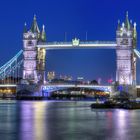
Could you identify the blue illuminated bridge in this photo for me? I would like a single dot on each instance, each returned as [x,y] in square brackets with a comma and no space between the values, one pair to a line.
[26,70]
[13,68]
[49,88]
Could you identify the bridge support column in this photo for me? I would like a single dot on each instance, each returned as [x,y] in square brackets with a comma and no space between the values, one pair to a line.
[126,60]
[29,56]
[34,57]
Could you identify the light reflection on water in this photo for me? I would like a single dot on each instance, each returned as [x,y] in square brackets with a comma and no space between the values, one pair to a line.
[45,120]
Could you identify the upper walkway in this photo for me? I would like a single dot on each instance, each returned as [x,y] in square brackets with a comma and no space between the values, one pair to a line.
[77,44]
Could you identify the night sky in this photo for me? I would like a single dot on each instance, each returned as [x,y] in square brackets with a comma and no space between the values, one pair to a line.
[76,17]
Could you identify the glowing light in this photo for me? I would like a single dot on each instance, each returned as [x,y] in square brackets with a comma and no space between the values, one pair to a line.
[8,85]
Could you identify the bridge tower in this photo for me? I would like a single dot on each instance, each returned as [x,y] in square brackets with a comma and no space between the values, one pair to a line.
[126,38]
[34,60]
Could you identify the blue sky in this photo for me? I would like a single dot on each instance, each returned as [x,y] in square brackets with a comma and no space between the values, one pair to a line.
[97,17]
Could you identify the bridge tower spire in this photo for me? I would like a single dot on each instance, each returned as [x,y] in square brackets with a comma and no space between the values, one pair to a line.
[126,60]
[25,28]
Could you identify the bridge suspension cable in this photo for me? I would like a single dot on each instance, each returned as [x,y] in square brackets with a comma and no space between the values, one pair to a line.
[9,72]
[137,53]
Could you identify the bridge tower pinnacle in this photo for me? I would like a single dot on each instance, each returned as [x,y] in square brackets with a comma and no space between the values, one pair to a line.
[126,38]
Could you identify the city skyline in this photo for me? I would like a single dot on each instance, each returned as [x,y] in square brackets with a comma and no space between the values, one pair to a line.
[99,25]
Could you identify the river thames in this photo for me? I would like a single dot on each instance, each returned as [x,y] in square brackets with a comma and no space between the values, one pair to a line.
[61,120]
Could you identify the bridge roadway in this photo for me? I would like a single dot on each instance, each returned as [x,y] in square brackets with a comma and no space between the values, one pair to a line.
[62,85]
[80,45]
[7,85]
[66,85]
[55,87]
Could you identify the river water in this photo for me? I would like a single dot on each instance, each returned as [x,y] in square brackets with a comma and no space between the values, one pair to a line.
[53,120]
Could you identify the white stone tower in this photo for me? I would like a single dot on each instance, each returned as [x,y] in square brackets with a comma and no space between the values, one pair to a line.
[126,38]
[31,71]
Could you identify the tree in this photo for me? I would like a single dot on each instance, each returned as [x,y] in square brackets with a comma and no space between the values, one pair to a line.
[94,82]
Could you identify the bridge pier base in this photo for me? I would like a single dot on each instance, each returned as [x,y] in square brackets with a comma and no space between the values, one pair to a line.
[32,90]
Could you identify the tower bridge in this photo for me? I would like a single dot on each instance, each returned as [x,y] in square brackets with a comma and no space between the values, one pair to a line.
[35,45]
